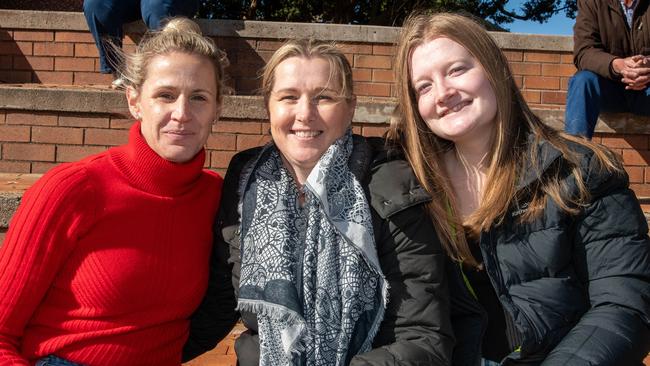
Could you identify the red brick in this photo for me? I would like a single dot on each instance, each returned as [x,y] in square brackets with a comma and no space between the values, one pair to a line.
[647,174]
[30,35]
[6,62]
[74,153]
[541,82]
[53,49]
[248,141]
[221,159]
[564,83]
[532,96]
[53,77]
[542,57]
[372,89]
[247,128]
[268,45]
[265,55]
[42,168]
[10,76]
[384,50]
[85,50]
[635,173]
[356,48]
[636,142]
[567,58]
[77,120]
[369,131]
[14,133]
[96,136]
[222,142]
[361,74]
[14,167]
[74,64]
[2,116]
[57,135]
[81,37]
[525,68]
[29,152]
[386,76]
[558,70]
[118,123]
[38,118]
[554,97]
[373,62]
[514,56]
[636,157]
[16,48]
[33,63]
[92,78]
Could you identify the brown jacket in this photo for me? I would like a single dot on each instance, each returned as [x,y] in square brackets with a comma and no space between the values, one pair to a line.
[601,34]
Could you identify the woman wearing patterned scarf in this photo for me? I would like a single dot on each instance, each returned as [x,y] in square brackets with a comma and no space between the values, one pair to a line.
[334,258]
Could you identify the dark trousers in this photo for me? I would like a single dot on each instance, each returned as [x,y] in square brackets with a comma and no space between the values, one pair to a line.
[106,17]
[589,94]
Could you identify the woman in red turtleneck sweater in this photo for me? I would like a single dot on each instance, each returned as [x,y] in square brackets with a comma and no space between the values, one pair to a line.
[106,258]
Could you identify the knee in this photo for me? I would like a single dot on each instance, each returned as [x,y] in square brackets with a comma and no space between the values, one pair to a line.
[583,78]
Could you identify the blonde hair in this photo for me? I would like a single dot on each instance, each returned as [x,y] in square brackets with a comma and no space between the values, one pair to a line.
[178,35]
[511,149]
[340,69]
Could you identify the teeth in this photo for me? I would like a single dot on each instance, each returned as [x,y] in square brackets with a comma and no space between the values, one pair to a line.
[307,133]
[458,107]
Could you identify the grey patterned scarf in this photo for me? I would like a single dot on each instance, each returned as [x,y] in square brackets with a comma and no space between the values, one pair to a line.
[310,273]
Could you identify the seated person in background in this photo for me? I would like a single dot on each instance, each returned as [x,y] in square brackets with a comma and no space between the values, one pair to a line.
[335,259]
[106,258]
[106,17]
[611,48]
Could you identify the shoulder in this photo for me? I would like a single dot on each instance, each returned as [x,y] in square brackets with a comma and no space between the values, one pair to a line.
[392,185]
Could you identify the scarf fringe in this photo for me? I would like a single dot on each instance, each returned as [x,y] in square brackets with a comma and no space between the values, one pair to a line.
[283,314]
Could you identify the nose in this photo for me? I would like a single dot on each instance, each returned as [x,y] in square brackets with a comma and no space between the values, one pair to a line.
[444,91]
[181,112]
[305,109]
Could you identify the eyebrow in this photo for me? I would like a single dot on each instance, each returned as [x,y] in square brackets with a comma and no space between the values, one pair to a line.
[159,87]
[318,90]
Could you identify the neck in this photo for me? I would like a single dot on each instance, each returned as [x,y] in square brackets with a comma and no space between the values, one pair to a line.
[473,155]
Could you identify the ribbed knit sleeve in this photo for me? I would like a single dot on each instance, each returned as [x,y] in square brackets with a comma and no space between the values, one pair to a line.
[53,214]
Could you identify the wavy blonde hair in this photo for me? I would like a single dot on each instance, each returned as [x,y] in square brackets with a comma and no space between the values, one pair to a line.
[510,151]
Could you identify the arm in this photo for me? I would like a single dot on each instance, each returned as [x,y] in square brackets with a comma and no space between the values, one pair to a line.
[612,256]
[589,52]
[416,329]
[42,233]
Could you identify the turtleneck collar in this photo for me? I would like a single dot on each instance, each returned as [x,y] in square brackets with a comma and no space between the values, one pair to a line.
[149,172]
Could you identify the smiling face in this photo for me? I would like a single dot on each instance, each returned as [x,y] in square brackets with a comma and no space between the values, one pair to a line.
[306,111]
[454,95]
[176,104]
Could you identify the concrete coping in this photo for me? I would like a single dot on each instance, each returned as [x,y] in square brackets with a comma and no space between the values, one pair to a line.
[70,21]
[37,97]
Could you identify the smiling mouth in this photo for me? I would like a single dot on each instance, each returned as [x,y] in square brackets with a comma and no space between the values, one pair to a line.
[307,134]
[455,108]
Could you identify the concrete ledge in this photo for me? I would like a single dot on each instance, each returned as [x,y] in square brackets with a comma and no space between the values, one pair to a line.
[35,97]
[67,21]
[12,187]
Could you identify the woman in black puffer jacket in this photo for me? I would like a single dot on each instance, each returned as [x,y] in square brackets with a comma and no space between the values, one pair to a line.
[551,258]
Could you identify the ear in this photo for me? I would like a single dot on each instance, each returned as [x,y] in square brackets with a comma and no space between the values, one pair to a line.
[133,99]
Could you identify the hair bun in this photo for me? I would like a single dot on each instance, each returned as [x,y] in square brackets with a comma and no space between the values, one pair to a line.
[181,25]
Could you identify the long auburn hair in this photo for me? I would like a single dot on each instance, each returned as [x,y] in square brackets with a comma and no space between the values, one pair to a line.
[511,151]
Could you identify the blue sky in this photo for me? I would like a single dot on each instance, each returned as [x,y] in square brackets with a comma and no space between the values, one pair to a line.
[557,25]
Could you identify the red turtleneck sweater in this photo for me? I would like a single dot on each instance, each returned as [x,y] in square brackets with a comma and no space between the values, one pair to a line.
[106,259]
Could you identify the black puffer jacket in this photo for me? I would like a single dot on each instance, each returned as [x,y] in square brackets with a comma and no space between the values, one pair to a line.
[577,287]
[416,329]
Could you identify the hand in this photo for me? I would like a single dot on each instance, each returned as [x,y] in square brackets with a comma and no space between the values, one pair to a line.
[635,71]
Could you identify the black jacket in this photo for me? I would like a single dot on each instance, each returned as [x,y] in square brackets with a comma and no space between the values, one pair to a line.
[416,329]
[577,287]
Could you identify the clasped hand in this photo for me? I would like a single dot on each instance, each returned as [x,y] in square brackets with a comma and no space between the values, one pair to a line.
[635,71]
